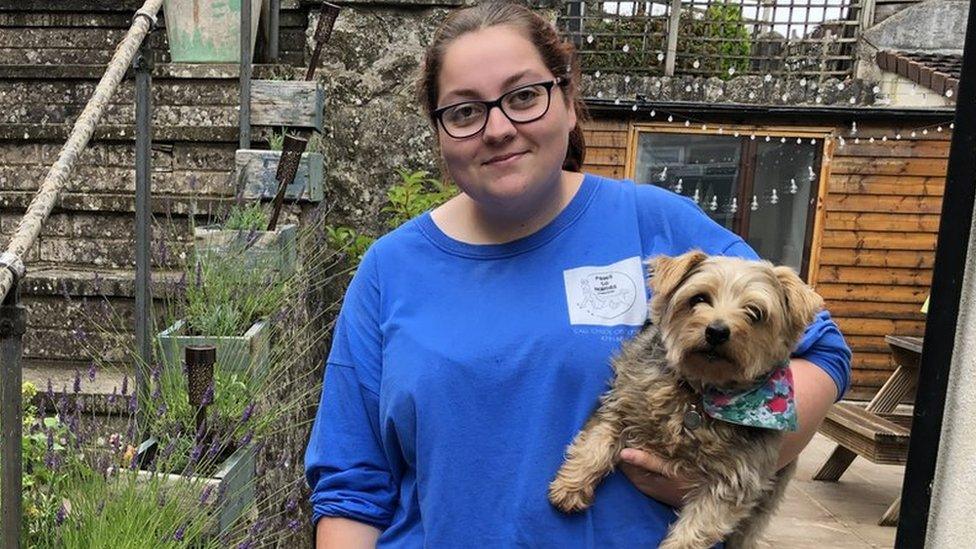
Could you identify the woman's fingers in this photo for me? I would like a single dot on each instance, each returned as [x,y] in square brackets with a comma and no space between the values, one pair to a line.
[644,460]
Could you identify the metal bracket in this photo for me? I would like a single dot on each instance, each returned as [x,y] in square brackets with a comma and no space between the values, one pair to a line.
[153,23]
[13,263]
[13,321]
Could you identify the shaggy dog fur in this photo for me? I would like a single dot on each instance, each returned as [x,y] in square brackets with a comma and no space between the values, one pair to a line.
[660,375]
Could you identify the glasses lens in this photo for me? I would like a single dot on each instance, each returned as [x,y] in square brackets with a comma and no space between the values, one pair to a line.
[464,119]
[526,104]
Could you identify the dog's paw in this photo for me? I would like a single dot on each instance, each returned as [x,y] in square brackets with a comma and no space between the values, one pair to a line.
[569,498]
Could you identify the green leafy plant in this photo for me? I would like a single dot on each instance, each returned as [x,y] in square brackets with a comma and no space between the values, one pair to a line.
[349,241]
[246,217]
[276,140]
[223,298]
[415,193]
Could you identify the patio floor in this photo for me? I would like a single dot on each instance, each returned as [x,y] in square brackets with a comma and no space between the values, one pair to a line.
[836,515]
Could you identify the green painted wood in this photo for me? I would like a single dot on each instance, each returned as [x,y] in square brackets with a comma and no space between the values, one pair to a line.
[279,247]
[234,483]
[289,103]
[247,353]
[255,171]
[202,31]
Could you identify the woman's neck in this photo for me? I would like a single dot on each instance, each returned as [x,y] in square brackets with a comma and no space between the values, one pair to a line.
[466,220]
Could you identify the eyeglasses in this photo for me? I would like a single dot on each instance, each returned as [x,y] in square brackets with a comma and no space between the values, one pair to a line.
[521,105]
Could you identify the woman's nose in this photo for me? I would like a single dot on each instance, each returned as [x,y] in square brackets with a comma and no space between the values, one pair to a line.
[499,127]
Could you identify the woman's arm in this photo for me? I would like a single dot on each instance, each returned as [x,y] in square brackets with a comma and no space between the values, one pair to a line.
[340,533]
[815,392]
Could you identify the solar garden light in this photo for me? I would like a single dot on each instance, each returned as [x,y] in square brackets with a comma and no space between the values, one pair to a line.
[200,361]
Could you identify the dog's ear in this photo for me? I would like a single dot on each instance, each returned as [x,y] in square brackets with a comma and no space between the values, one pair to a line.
[802,303]
[666,274]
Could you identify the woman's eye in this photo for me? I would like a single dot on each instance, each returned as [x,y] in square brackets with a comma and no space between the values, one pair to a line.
[463,114]
[524,98]
[699,298]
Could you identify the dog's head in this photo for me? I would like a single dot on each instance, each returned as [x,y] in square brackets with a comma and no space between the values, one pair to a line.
[727,321]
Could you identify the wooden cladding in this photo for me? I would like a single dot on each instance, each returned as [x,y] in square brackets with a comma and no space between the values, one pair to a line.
[875,245]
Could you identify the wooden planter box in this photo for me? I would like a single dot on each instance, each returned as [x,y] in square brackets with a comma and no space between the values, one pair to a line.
[255,171]
[247,353]
[232,487]
[278,247]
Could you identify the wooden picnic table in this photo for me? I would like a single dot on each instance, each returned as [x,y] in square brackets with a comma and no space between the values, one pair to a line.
[874,432]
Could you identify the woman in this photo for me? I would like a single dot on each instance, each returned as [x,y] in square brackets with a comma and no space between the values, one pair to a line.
[474,341]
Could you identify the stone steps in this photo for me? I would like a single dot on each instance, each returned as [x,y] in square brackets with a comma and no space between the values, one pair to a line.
[80,284]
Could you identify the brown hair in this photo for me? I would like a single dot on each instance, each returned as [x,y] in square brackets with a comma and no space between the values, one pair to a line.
[559,57]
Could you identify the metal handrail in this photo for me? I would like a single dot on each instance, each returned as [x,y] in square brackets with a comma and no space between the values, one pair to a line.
[12,313]
[57,177]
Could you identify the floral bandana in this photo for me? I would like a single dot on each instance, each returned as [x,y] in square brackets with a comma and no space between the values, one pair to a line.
[768,405]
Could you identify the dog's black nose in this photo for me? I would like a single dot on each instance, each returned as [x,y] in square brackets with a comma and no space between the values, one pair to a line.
[717,333]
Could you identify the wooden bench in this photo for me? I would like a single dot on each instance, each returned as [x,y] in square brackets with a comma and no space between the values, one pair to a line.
[869,435]
[875,432]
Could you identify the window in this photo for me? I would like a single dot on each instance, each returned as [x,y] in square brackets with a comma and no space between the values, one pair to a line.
[763,190]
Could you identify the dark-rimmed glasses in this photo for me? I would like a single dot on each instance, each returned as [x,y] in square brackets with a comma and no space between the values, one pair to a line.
[523,104]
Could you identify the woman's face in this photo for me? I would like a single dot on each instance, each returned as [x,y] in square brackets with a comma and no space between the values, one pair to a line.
[507,163]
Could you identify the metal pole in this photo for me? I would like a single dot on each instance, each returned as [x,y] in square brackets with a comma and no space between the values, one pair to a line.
[673,23]
[13,324]
[143,65]
[942,321]
[273,22]
[245,74]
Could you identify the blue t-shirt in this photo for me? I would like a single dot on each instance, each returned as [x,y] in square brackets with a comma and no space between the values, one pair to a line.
[459,373]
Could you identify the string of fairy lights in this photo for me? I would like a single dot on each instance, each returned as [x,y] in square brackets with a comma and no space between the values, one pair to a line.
[772,194]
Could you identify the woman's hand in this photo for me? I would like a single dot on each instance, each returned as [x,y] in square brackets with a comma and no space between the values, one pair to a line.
[647,472]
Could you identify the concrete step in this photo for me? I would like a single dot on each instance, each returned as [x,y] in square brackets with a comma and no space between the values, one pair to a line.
[54,32]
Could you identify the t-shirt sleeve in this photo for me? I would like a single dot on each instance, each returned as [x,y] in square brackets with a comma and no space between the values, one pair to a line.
[345,465]
[682,226]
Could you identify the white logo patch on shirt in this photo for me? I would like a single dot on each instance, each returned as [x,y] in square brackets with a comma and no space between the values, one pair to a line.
[607,295]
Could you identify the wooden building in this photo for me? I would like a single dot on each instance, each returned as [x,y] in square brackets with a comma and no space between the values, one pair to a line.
[809,187]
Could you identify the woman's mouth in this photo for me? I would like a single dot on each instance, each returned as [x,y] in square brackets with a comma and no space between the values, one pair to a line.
[504,159]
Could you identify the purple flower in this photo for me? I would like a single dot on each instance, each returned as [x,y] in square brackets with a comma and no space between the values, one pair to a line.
[248,411]
[294,525]
[77,386]
[91,372]
[198,275]
[214,449]
[290,505]
[195,453]
[205,495]
[79,334]
[50,391]
[246,544]
[161,409]
[178,534]
[168,450]
[125,384]
[64,290]
[113,396]
[208,395]
[61,515]
[133,404]
[97,284]
[246,439]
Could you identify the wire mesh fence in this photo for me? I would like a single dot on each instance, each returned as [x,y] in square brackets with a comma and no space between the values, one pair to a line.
[802,38]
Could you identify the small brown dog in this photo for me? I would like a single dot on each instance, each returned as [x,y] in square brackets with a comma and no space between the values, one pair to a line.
[719,343]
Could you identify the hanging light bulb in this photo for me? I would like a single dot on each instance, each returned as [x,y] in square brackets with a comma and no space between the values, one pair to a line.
[793,187]
[653,113]
[696,197]
[735,205]
[774,199]
[670,118]
[687,123]
[755,203]
[664,174]
[853,128]
[767,139]
[811,174]
[714,205]
[596,74]
[679,187]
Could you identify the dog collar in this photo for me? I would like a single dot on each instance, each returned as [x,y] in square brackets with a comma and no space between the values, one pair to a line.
[768,405]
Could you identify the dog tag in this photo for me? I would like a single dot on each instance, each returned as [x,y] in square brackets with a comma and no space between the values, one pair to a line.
[692,420]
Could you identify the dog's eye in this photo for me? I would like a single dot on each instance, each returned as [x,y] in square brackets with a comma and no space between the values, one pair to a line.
[755,314]
[698,298]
